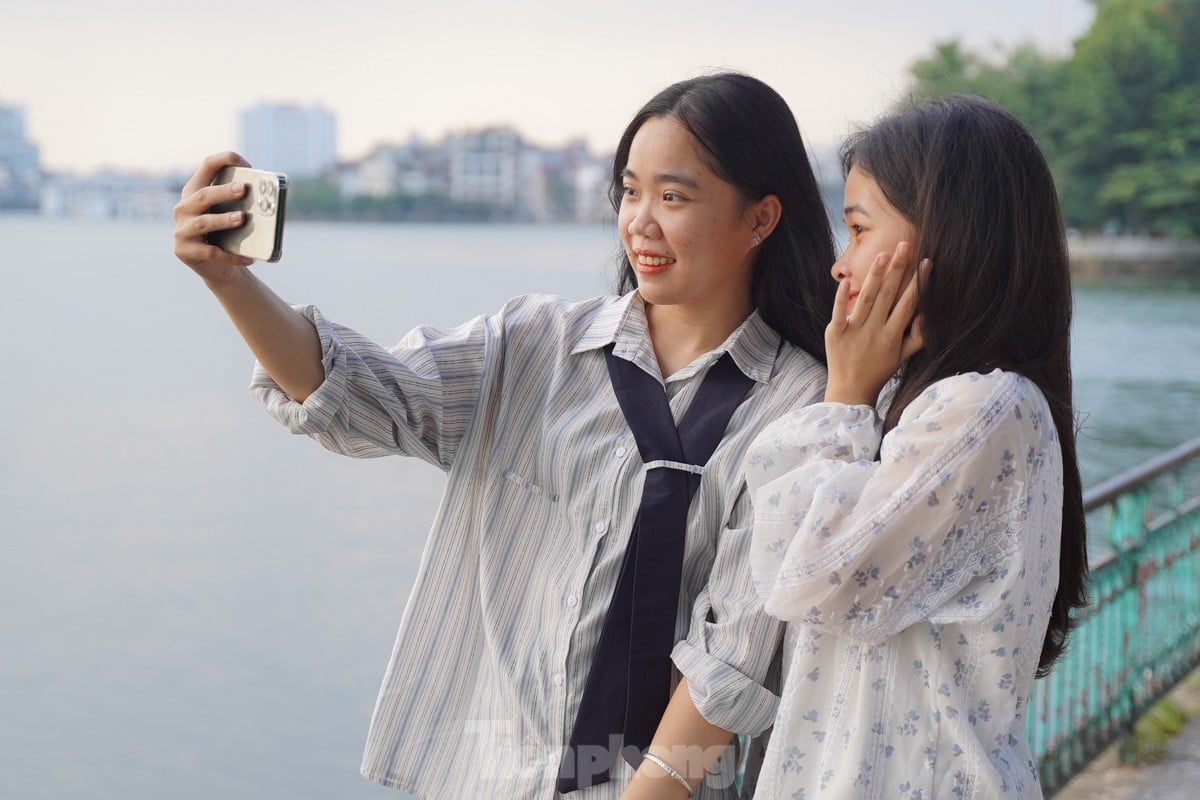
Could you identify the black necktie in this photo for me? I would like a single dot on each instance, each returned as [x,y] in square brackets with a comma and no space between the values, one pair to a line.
[629,683]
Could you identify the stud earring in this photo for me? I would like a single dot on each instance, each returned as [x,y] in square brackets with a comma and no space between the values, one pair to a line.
[755,239]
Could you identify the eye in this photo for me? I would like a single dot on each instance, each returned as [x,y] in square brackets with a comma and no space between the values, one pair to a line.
[672,197]
[628,191]
[855,230]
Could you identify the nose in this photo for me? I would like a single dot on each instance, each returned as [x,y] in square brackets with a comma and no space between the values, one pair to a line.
[840,269]
[643,224]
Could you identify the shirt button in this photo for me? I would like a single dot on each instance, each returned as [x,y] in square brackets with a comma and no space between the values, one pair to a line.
[558,680]
[602,526]
[572,601]
[620,452]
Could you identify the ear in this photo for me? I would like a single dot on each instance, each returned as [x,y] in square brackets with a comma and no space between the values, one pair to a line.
[763,215]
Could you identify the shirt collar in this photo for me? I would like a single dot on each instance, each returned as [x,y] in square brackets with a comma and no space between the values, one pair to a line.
[753,346]
[622,323]
[609,322]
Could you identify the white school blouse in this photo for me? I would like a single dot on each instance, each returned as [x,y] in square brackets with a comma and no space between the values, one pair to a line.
[543,483]
[916,576]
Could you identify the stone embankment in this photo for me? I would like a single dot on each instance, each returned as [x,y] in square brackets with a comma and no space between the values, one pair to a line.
[1103,255]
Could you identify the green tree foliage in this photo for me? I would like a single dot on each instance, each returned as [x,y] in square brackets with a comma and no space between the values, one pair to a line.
[1118,120]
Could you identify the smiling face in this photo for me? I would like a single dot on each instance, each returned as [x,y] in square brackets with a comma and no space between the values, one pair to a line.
[874,226]
[687,232]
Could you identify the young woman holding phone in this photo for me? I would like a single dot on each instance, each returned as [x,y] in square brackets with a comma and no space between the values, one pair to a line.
[588,563]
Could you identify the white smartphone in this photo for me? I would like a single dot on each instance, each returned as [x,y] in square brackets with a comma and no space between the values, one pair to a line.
[261,235]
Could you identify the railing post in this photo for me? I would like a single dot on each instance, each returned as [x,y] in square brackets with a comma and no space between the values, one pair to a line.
[1128,520]
[1126,530]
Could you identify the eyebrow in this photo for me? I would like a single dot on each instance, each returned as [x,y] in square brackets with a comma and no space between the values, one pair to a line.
[665,177]
[854,208]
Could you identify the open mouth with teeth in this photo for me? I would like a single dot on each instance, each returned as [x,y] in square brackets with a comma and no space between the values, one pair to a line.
[655,261]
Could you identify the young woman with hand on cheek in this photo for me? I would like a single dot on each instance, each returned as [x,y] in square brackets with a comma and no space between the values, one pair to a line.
[588,562]
[926,556]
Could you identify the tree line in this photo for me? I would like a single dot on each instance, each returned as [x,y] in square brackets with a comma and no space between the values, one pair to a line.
[1118,119]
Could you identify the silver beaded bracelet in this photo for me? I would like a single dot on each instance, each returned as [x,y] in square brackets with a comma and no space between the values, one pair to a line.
[674,773]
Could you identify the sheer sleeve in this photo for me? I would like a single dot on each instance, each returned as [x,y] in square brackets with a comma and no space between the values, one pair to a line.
[868,544]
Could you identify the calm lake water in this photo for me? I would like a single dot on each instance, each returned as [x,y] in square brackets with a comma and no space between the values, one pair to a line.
[195,604]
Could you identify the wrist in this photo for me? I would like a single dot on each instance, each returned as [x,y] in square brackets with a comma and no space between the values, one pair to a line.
[661,779]
[851,396]
[225,281]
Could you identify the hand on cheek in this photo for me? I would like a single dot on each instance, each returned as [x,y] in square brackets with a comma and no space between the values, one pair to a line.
[867,344]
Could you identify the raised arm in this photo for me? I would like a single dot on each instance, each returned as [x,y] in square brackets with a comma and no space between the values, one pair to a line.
[282,339]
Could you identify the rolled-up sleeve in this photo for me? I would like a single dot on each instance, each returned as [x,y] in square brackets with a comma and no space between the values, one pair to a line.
[732,642]
[414,399]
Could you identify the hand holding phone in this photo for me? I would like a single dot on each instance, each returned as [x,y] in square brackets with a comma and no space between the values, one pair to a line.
[261,235]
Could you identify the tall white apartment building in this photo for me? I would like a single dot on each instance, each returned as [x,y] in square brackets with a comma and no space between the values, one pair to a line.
[20,171]
[285,137]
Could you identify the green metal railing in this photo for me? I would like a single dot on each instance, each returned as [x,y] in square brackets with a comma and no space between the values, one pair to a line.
[1141,633]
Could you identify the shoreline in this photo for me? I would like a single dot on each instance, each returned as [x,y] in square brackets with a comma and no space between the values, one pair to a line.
[1100,255]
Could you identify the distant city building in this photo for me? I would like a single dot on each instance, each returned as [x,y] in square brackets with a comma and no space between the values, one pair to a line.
[20,171]
[110,195]
[576,183]
[590,191]
[414,169]
[484,167]
[298,141]
[533,201]
[483,175]
[490,174]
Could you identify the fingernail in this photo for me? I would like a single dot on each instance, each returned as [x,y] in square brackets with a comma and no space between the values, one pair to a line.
[235,216]
[239,189]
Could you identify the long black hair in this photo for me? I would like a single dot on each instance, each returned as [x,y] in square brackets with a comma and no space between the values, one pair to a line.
[749,138]
[975,186]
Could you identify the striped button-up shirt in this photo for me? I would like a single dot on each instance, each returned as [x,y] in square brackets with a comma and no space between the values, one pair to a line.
[543,485]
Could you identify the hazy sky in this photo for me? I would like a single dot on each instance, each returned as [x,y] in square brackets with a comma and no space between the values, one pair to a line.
[137,84]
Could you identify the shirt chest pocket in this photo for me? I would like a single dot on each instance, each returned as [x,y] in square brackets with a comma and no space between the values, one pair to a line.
[524,516]
[534,510]
[531,488]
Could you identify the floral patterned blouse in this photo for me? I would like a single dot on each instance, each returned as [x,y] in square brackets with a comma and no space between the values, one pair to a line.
[917,576]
